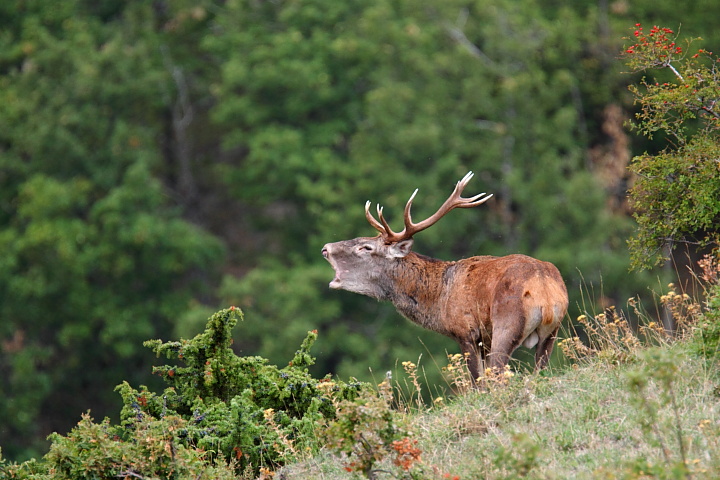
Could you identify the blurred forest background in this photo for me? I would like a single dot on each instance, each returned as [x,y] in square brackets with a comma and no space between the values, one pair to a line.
[161,160]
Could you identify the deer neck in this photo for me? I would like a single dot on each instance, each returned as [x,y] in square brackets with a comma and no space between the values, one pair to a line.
[416,288]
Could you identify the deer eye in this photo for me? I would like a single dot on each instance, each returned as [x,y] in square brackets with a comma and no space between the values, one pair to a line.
[365,248]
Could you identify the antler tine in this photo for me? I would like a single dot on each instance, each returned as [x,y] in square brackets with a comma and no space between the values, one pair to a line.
[408,205]
[461,202]
[461,186]
[375,224]
[478,199]
[465,180]
[386,227]
[382,226]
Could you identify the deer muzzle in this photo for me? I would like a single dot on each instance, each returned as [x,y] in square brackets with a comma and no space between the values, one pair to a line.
[335,283]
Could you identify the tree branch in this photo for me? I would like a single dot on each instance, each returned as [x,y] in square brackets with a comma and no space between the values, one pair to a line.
[457,34]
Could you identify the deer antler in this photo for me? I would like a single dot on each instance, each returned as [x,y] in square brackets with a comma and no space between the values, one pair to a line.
[455,200]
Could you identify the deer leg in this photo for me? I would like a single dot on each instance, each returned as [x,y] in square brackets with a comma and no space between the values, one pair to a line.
[470,351]
[484,353]
[543,350]
[505,340]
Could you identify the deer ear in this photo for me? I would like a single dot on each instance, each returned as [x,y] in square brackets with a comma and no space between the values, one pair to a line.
[400,249]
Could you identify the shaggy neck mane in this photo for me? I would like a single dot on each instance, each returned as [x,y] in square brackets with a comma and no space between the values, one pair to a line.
[414,289]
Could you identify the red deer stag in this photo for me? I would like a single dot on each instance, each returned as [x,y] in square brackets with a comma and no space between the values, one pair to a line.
[489,305]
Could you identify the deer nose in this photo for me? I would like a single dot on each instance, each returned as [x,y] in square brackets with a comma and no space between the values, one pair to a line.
[325,252]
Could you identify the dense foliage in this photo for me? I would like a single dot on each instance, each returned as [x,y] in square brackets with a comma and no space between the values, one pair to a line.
[221,414]
[159,159]
[677,193]
[95,258]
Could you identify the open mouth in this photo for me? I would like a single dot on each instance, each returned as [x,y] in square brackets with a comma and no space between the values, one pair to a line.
[335,283]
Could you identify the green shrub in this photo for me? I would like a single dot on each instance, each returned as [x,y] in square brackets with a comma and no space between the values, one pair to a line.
[367,430]
[238,408]
[221,415]
[156,449]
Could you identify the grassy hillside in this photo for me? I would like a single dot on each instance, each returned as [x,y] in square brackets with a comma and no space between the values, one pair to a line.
[633,402]
[595,420]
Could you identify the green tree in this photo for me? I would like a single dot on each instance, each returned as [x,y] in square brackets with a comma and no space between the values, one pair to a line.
[677,193]
[96,256]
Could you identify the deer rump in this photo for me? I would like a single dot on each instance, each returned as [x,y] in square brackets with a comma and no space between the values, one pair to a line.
[496,304]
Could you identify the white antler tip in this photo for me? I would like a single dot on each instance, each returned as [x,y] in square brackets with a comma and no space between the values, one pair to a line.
[479,199]
[461,184]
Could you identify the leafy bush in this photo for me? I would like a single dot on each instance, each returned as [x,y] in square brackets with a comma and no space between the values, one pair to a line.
[222,414]
[367,430]
[677,191]
[155,448]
